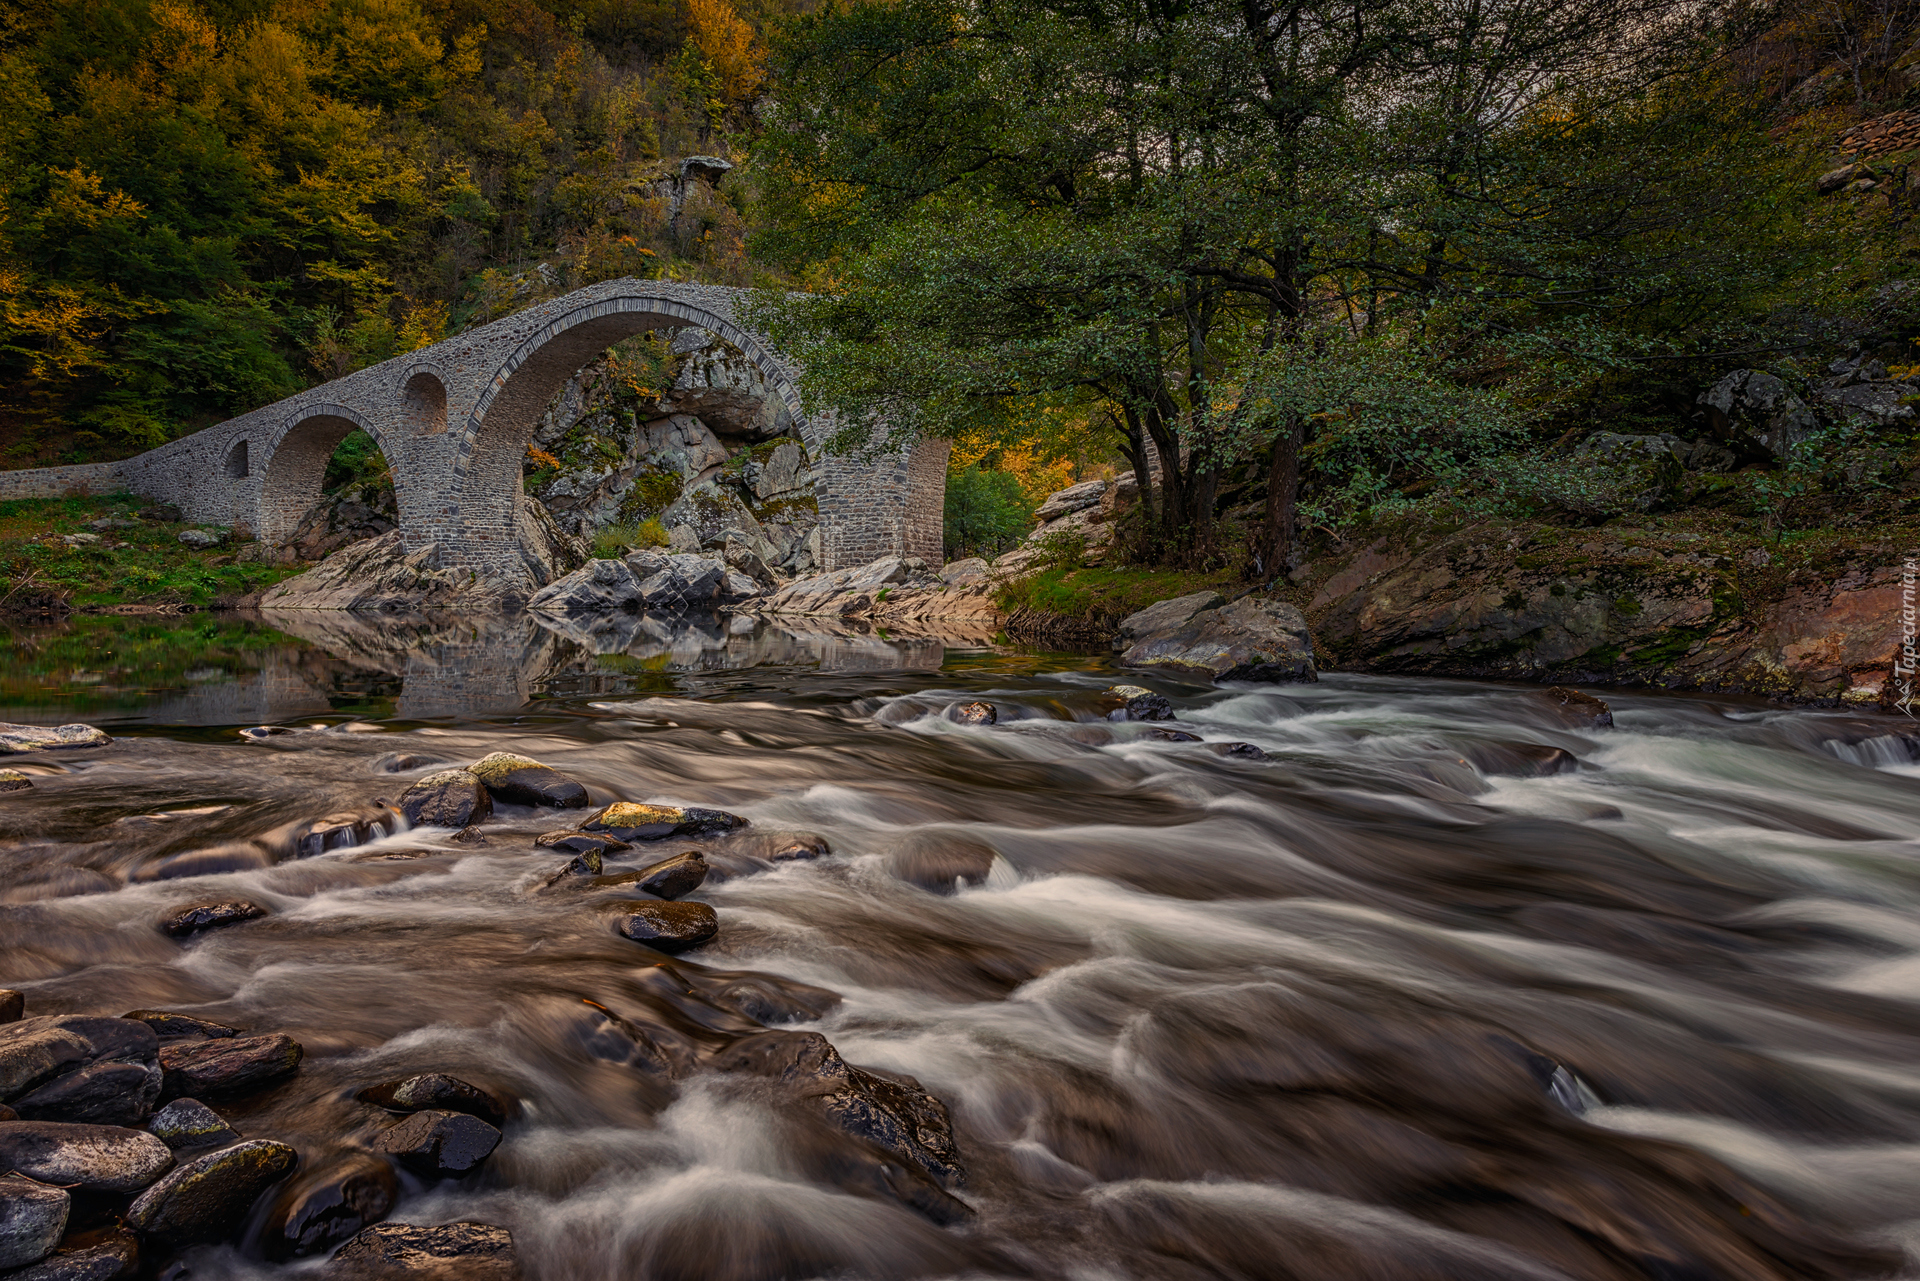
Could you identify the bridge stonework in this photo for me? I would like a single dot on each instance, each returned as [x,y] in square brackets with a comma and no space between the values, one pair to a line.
[453,421]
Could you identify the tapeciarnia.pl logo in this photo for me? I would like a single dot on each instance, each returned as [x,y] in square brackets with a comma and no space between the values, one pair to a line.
[1908,658]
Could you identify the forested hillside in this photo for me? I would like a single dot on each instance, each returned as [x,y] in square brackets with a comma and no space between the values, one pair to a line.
[209,204]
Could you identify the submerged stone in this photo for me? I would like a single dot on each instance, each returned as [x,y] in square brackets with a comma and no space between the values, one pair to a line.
[437,1144]
[668,927]
[597,843]
[205,916]
[1583,710]
[411,1252]
[446,798]
[323,1206]
[436,1091]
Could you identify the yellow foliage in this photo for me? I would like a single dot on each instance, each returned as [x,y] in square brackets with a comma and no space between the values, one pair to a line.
[78,200]
[424,325]
[728,45]
[1039,469]
[542,458]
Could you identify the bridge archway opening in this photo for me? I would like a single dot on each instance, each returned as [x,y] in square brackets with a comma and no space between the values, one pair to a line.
[320,453]
[493,455]
[424,398]
[236,464]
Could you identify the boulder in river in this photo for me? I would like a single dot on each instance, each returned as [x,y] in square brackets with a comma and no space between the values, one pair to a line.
[632,821]
[12,780]
[324,1205]
[233,856]
[940,861]
[208,1199]
[1238,751]
[412,1252]
[599,843]
[175,1027]
[102,1254]
[1167,615]
[1577,708]
[435,1091]
[446,798]
[229,1065]
[33,1217]
[49,738]
[194,917]
[187,1124]
[108,1059]
[438,1145]
[972,713]
[12,1005]
[520,780]
[672,878]
[1138,703]
[1253,639]
[667,927]
[98,1158]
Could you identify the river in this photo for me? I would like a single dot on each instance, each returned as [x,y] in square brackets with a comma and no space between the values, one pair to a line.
[1448,985]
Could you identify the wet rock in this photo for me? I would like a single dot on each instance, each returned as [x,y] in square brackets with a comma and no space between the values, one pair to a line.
[1158,735]
[599,843]
[107,1093]
[1583,710]
[1138,703]
[803,847]
[32,1218]
[668,927]
[440,1145]
[188,1124]
[12,1005]
[8,1114]
[972,714]
[588,864]
[447,798]
[1239,751]
[106,1254]
[469,836]
[1530,760]
[325,1205]
[230,1065]
[12,780]
[630,821]
[33,1052]
[436,1091]
[520,780]
[400,763]
[893,1112]
[235,856]
[598,587]
[666,580]
[261,733]
[680,875]
[204,916]
[1253,639]
[49,738]
[98,1158]
[770,1000]
[209,1198]
[409,1252]
[1167,615]
[940,861]
[343,830]
[173,1027]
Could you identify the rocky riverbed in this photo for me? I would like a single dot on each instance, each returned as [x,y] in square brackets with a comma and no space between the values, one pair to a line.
[930,959]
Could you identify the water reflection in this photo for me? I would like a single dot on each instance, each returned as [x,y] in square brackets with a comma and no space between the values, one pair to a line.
[280,665]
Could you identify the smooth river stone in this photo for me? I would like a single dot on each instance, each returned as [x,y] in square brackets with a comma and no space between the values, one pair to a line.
[204,916]
[972,714]
[103,1254]
[33,1051]
[169,1026]
[325,1205]
[12,1005]
[229,1065]
[631,821]
[447,798]
[48,738]
[98,1158]
[439,1144]
[581,843]
[680,875]
[410,1252]
[33,1217]
[185,1124]
[12,780]
[520,780]
[208,1199]
[668,927]
[109,1093]
[436,1091]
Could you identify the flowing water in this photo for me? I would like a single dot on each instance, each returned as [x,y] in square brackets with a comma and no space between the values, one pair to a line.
[1394,1002]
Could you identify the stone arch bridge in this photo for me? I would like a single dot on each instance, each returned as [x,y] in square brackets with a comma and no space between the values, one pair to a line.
[454,420]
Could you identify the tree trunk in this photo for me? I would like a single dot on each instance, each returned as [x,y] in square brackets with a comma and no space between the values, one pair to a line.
[1277,551]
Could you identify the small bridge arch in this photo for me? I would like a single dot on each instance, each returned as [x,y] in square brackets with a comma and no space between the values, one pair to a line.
[293,463]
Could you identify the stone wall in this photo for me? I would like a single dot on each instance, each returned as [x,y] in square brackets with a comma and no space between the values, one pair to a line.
[60,482]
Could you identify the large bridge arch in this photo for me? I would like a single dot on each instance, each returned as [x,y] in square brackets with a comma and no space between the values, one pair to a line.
[488,459]
[292,463]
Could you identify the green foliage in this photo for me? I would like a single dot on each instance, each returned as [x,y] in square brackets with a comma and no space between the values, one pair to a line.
[986,513]
[1108,593]
[152,566]
[614,541]
[356,460]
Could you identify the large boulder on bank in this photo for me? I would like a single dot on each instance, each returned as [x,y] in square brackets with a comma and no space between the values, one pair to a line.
[1253,639]
[1758,414]
[668,581]
[1165,616]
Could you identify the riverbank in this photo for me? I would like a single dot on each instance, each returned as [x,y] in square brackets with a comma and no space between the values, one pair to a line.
[119,554]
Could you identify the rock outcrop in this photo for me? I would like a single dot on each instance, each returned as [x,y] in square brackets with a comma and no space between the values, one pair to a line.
[644,580]
[891,592]
[1253,639]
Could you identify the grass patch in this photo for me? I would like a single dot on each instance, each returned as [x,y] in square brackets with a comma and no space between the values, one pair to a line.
[612,542]
[142,564]
[1094,594]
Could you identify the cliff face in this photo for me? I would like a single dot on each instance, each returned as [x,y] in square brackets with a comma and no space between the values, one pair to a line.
[1667,609]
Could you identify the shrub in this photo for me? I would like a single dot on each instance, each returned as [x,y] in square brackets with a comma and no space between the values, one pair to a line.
[986,513]
[613,542]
